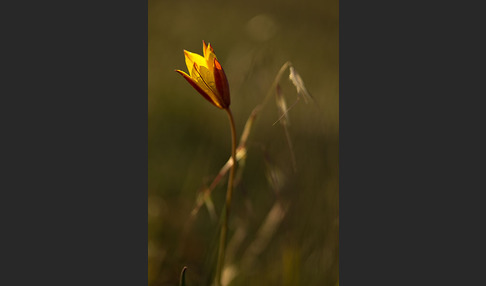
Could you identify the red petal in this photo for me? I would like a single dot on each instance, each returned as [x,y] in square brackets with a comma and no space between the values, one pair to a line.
[222,83]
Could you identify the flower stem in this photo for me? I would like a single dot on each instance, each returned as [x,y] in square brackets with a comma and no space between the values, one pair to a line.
[229,194]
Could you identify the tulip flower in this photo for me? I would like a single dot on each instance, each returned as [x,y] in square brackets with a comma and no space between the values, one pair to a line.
[207,76]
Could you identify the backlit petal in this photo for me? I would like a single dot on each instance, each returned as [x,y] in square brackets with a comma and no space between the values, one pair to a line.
[197,87]
[205,79]
[204,48]
[209,55]
[192,58]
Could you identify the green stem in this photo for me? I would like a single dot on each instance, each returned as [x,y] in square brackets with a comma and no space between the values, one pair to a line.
[229,194]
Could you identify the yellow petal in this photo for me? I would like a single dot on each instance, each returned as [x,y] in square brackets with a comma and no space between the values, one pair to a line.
[204,48]
[209,55]
[205,79]
[209,49]
[192,58]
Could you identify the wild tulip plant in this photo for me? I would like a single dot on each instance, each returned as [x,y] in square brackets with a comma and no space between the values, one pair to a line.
[206,76]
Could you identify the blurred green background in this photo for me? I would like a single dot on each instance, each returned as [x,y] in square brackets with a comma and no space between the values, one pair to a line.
[189,141]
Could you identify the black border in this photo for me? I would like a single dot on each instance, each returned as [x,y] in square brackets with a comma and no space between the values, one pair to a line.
[74,105]
[409,143]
